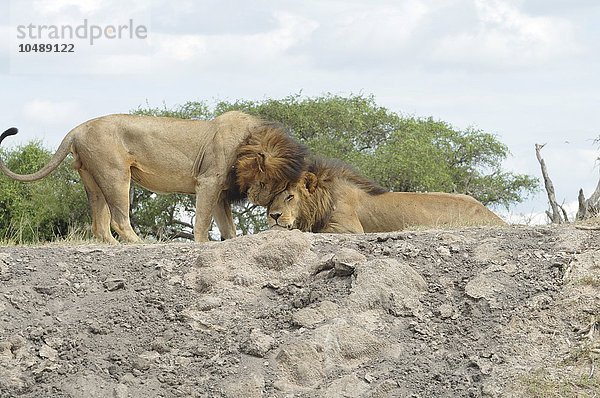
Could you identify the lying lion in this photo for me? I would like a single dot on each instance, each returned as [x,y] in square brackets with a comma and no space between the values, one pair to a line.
[220,161]
[331,197]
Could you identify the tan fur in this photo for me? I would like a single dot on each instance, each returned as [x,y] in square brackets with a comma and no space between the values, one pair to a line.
[333,198]
[217,160]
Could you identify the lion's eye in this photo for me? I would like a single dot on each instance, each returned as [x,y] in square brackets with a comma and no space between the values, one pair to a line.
[289,197]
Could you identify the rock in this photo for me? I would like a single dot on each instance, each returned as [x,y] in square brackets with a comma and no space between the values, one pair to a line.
[480,287]
[389,285]
[160,345]
[446,311]
[114,284]
[89,250]
[121,391]
[54,342]
[249,383]
[250,260]
[369,378]
[491,286]
[206,303]
[257,344]
[488,251]
[97,328]
[48,353]
[345,260]
[140,363]
[301,364]
[47,290]
[443,251]
[307,317]
[346,345]
[347,386]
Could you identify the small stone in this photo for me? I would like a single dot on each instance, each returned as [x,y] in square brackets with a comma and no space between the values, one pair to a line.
[307,317]
[96,328]
[345,261]
[121,391]
[160,345]
[54,342]
[257,344]
[88,250]
[446,311]
[140,363]
[48,353]
[114,284]
[47,290]
[207,303]
[443,251]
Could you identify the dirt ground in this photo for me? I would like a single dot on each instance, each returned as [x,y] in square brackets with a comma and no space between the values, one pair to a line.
[493,312]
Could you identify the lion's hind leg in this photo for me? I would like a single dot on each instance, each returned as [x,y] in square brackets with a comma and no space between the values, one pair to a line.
[114,184]
[99,208]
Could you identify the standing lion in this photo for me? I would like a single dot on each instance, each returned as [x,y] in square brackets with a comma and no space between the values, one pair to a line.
[219,161]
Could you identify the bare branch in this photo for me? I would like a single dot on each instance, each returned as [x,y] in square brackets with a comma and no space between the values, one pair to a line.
[582,209]
[182,223]
[555,216]
[564,213]
[590,207]
[181,234]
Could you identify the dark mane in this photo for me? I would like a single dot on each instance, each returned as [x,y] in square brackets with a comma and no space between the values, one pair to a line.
[282,156]
[317,207]
[327,170]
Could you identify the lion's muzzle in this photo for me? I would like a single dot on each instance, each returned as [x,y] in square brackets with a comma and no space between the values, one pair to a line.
[275,220]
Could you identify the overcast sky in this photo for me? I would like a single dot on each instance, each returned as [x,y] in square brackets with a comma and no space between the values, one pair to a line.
[525,70]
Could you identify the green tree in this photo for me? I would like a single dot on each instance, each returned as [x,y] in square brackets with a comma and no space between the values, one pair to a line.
[44,210]
[401,153]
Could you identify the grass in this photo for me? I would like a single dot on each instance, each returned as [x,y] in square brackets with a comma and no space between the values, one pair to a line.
[541,385]
[22,234]
[591,281]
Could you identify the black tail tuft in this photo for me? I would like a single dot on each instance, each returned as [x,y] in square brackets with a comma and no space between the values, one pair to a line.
[9,132]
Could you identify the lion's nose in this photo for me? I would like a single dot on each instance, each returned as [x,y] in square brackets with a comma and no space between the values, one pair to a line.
[275,215]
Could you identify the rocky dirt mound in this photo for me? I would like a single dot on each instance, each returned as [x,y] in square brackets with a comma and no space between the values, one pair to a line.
[478,312]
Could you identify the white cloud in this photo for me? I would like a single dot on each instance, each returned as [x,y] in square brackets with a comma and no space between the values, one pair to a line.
[4,40]
[50,113]
[362,33]
[223,52]
[58,6]
[84,8]
[181,47]
[381,28]
[507,37]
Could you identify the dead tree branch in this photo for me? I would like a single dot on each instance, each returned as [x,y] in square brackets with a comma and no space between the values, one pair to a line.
[590,207]
[555,216]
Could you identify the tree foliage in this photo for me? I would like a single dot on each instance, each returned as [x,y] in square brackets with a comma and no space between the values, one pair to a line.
[44,210]
[402,153]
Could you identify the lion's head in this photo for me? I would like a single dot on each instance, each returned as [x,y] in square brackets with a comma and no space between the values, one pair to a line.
[267,162]
[309,203]
[306,205]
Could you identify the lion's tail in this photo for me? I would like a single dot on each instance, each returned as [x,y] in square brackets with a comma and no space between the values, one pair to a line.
[61,153]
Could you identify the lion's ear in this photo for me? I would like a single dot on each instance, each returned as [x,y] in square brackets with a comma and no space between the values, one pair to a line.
[310,181]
